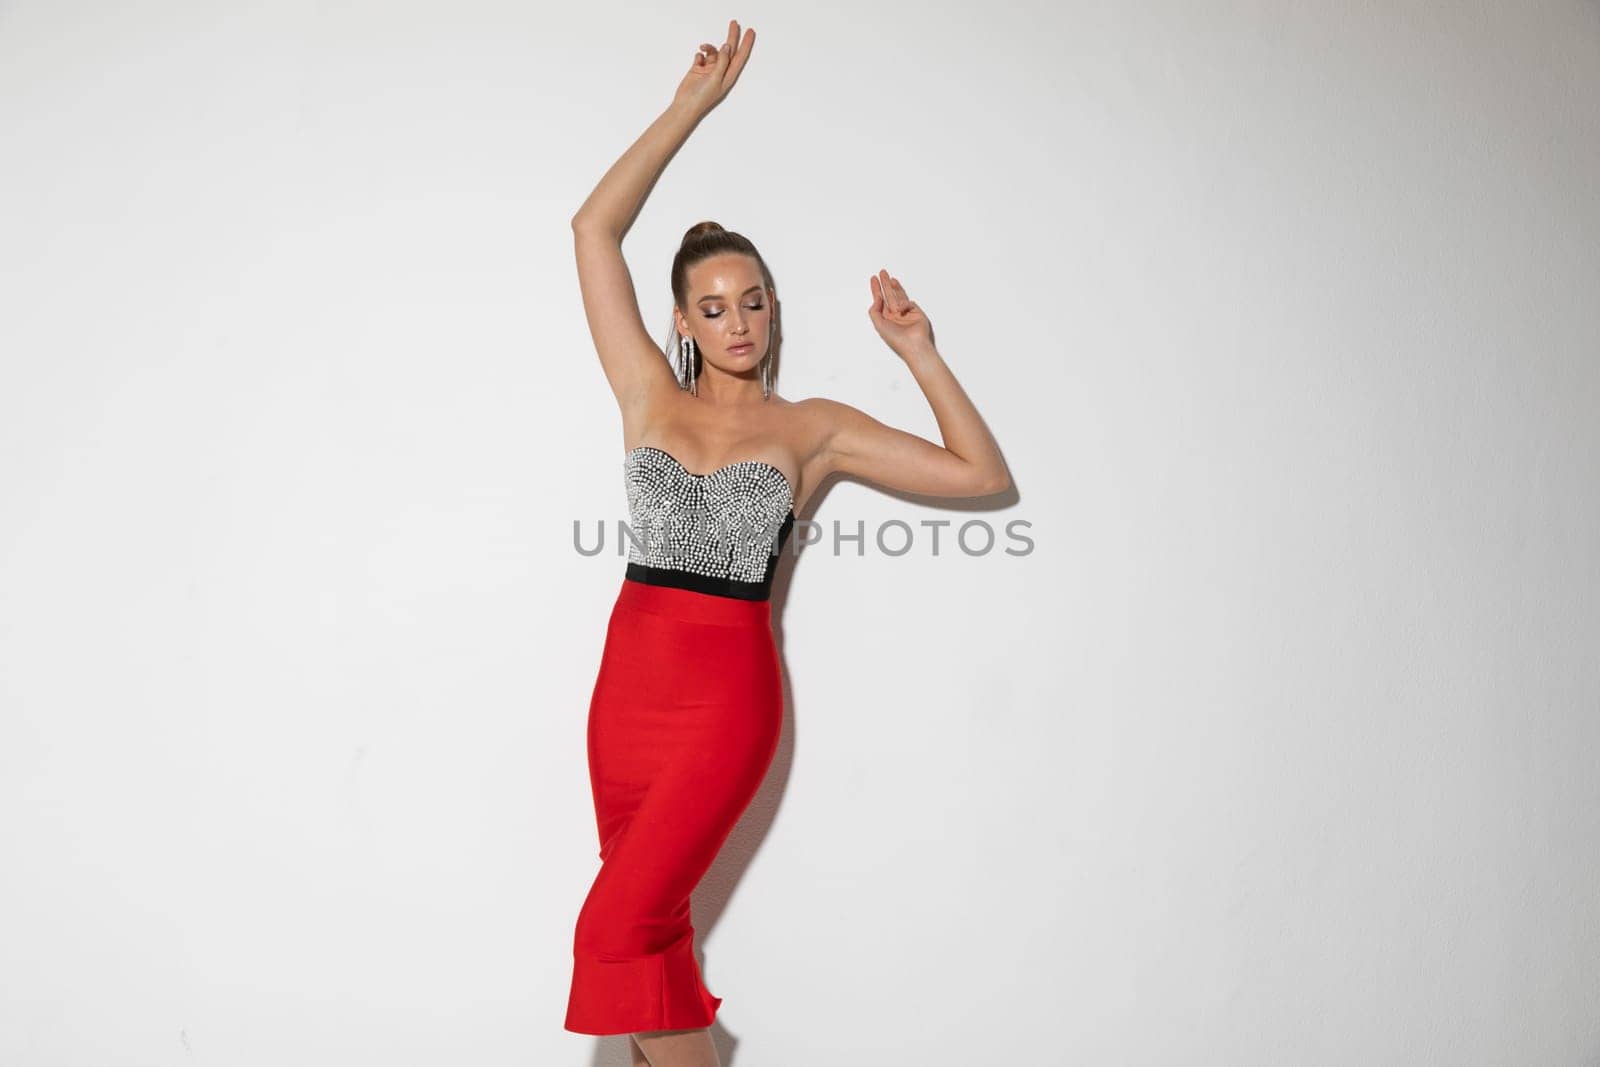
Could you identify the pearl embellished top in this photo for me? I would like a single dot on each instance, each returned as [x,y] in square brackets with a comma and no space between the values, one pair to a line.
[717,533]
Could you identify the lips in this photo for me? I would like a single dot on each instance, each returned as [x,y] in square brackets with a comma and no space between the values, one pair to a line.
[742,348]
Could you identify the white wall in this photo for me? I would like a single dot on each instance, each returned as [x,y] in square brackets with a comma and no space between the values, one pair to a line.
[1278,748]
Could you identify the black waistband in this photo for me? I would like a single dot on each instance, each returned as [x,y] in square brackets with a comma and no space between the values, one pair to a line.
[702,583]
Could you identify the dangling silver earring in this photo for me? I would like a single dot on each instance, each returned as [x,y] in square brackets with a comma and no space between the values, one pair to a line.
[766,366]
[687,350]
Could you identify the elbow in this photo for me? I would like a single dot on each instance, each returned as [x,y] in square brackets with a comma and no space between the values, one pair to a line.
[995,483]
[583,222]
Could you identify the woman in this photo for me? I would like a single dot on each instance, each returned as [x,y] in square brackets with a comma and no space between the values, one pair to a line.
[687,704]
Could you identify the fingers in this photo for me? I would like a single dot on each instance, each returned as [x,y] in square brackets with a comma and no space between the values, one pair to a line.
[710,55]
[743,55]
[729,44]
[738,52]
[894,294]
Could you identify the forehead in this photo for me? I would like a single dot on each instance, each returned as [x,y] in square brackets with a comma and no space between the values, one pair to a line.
[726,275]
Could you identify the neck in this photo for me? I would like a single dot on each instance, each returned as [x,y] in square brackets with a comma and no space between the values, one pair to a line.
[724,391]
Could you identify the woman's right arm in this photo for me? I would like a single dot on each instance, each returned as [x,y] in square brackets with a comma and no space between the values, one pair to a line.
[630,359]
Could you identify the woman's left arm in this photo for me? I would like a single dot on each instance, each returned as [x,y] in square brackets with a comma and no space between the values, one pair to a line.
[969,464]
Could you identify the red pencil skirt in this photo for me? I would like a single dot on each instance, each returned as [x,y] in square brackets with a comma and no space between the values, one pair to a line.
[683,725]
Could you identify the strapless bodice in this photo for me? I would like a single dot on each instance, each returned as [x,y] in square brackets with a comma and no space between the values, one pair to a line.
[717,533]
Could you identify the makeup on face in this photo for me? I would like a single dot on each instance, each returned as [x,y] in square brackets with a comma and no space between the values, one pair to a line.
[713,308]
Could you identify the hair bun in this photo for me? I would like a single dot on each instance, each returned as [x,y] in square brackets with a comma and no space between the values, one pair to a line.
[701,228]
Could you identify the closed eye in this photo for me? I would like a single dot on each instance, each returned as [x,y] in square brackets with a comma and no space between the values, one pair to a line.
[747,307]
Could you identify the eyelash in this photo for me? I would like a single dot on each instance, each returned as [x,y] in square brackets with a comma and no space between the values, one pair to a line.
[747,307]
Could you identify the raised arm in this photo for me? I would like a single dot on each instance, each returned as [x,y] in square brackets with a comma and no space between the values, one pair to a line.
[968,464]
[630,359]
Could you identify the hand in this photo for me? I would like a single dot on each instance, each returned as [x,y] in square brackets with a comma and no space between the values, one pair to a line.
[897,318]
[714,71]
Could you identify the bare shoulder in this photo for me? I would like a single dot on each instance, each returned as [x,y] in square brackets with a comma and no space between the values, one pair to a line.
[814,425]
[812,422]
[819,411]
[828,421]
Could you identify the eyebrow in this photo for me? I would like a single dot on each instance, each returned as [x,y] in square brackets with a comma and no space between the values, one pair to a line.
[718,296]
